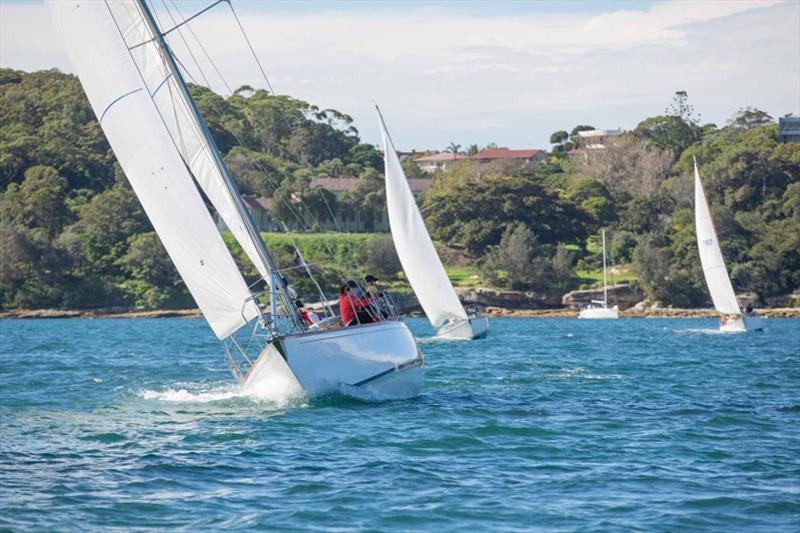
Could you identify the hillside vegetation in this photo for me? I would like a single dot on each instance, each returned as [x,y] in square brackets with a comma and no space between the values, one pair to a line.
[72,233]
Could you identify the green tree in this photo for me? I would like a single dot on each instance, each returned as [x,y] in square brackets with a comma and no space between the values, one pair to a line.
[39,202]
[379,257]
[559,137]
[749,117]
[476,212]
[520,262]
[668,132]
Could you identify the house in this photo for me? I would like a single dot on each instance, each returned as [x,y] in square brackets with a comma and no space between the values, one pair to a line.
[504,154]
[789,129]
[438,161]
[598,139]
[259,207]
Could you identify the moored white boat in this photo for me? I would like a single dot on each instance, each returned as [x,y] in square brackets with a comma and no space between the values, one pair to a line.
[421,262]
[598,309]
[599,312]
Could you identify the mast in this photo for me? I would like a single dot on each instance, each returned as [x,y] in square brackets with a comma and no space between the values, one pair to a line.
[274,275]
[605,283]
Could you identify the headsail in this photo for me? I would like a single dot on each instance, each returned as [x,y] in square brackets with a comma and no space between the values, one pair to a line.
[415,249]
[717,279]
[118,83]
[188,132]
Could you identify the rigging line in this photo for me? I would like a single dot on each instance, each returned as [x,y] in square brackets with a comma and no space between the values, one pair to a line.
[298,215]
[213,64]
[253,52]
[164,34]
[271,89]
[144,83]
[203,48]
[333,217]
[161,53]
[188,48]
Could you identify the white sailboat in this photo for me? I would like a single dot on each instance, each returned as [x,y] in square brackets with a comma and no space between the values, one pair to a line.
[599,309]
[162,143]
[418,256]
[714,270]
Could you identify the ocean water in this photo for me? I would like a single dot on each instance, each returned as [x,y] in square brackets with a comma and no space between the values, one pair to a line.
[549,424]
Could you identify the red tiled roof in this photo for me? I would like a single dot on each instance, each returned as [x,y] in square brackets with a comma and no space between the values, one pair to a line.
[507,154]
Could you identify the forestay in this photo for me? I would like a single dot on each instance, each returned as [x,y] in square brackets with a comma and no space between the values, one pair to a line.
[719,284]
[188,132]
[122,96]
[420,261]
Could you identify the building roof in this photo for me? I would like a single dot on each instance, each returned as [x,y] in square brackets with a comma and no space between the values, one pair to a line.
[261,202]
[504,153]
[441,156]
[588,134]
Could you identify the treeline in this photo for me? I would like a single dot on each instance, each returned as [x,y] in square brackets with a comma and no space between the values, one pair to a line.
[72,233]
[639,188]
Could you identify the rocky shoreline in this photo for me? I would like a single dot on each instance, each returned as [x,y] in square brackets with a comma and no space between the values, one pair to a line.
[780,312]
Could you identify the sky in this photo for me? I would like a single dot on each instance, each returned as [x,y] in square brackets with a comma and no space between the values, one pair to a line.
[479,72]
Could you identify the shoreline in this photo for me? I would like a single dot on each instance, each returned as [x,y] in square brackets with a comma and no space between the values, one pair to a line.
[779,312]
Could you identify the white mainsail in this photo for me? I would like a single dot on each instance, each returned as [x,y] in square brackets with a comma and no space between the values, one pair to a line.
[118,80]
[177,110]
[415,249]
[717,279]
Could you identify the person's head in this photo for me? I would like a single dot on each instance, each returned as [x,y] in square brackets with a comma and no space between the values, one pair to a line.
[298,303]
[370,279]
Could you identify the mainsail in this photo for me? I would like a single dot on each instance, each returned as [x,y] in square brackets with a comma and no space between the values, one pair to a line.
[420,261]
[161,149]
[719,284]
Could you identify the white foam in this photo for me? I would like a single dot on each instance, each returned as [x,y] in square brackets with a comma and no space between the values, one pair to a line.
[215,394]
[706,331]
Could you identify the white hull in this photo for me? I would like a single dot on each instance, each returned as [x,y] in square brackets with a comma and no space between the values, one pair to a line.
[743,324]
[376,361]
[598,313]
[476,327]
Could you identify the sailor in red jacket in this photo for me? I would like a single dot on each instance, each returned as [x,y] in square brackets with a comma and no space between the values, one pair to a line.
[353,308]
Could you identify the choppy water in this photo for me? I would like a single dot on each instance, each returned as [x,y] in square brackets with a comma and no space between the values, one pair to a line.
[549,424]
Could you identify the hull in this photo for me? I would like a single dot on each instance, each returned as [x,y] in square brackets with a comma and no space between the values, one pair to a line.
[477,327]
[743,324]
[599,313]
[374,361]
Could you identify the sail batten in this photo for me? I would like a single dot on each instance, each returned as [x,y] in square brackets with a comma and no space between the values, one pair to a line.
[415,249]
[714,270]
[143,144]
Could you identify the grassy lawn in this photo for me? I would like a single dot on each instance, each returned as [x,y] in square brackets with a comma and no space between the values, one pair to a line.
[622,274]
[463,276]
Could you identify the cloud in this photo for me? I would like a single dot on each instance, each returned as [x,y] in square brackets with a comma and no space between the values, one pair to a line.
[443,74]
